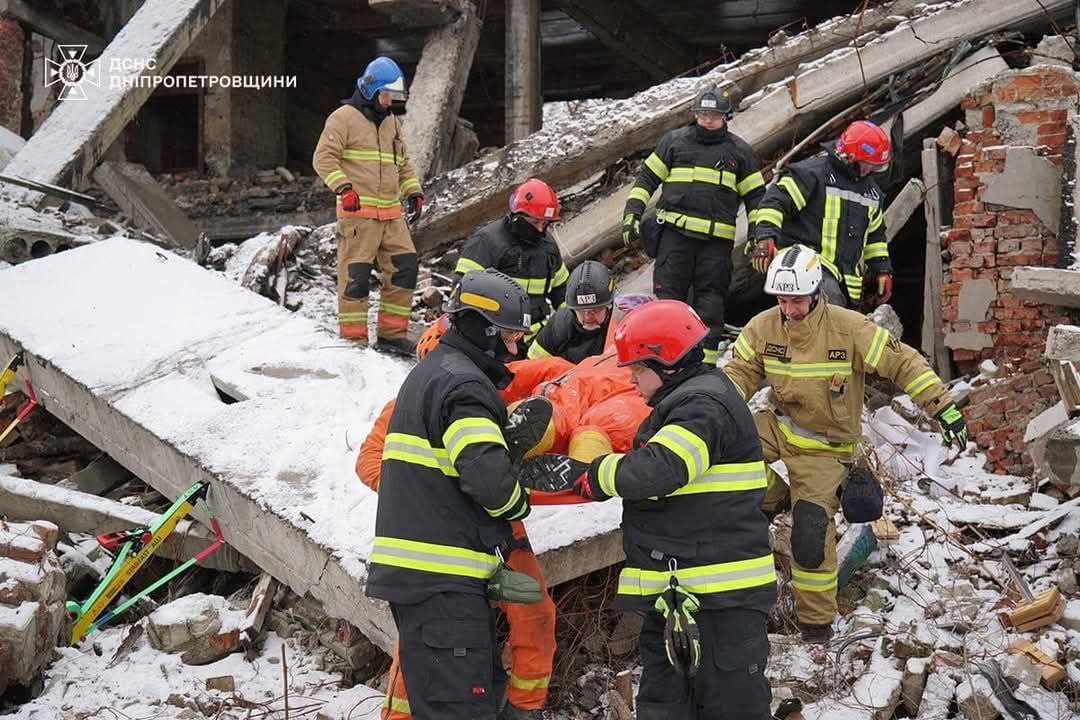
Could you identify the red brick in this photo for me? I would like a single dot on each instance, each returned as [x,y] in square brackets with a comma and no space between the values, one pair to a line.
[1032,117]
[980,220]
[1050,127]
[12,42]
[1056,139]
[968,208]
[988,116]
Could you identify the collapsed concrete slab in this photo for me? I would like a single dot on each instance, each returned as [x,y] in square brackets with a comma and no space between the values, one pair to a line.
[67,147]
[1052,286]
[130,369]
[437,90]
[599,133]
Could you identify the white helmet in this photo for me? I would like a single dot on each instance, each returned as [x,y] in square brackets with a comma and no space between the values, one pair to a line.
[794,271]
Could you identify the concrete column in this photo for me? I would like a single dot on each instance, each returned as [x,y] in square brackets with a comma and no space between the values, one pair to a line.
[524,99]
[436,91]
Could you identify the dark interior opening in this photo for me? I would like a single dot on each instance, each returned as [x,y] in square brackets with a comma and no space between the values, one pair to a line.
[167,134]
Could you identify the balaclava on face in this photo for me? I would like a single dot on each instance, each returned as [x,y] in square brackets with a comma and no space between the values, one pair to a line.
[481,333]
[524,231]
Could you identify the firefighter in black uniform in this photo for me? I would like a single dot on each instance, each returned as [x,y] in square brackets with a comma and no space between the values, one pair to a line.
[831,203]
[706,171]
[698,561]
[520,246]
[580,329]
[448,489]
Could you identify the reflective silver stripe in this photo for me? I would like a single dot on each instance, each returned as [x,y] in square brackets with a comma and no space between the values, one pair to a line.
[419,455]
[853,197]
[803,432]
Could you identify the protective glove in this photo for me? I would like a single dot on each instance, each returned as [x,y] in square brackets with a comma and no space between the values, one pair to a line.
[350,201]
[883,285]
[510,586]
[556,473]
[631,228]
[414,208]
[953,428]
[762,254]
[682,641]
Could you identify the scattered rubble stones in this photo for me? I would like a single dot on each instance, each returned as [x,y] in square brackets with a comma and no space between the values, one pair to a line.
[33,619]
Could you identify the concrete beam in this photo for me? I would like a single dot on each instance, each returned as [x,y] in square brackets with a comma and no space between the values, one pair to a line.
[51,26]
[74,511]
[140,197]
[420,13]
[280,462]
[524,100]
[933,330]
[71,142]
[601,133]
[632,33]
[981,65]
[24,239]
[437,90]
[903,206]
[242,227]
[1051,286]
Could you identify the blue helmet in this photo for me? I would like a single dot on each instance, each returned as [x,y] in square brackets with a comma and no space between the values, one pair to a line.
[382,73]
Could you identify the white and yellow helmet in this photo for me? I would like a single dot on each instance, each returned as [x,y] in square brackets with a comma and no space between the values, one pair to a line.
[794,271]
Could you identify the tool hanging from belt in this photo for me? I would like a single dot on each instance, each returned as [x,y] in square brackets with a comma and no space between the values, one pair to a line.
[6,376]
[136,547]
[682,640]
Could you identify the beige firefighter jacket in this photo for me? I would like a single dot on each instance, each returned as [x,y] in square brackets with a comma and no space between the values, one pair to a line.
[817,368]
[352,149]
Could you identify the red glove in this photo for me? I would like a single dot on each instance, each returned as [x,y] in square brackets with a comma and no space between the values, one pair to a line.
[884,288]
[415,205]
[350,201]
[763,254]
[582,487]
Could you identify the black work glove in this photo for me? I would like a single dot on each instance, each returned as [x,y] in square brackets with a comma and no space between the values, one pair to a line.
[631,230]
[414,205]
[682,640]
[555,473]
[953,428]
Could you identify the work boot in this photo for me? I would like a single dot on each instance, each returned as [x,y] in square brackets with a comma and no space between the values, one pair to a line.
[526,426]
[816,633]
[402,346]
[511,712]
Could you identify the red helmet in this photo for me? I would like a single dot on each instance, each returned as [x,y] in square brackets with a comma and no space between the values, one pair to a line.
[536,199]
[863,141]
[663,330]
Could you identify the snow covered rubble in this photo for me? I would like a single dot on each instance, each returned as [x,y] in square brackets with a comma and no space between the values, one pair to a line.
[917,618]
[138,371]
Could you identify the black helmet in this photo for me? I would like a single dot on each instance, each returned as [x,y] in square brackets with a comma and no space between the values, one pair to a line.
[715,99]
[494,296]
[589,286]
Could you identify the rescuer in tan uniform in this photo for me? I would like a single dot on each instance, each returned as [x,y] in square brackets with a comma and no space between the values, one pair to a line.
[362,158]
[816,357]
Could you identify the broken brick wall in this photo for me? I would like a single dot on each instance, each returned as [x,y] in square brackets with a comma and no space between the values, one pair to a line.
[1019,119]
[12,48]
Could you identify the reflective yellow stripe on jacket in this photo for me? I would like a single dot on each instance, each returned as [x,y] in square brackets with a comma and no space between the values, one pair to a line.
[804,370]
[433,558]
[715,578]
[704,226]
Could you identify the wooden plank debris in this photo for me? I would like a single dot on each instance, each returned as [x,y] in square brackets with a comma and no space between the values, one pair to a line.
[1045,609]
[1052,671]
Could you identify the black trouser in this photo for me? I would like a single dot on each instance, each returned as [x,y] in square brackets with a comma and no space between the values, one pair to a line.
[703,265]
[731,683]
[833,290]
[449,657]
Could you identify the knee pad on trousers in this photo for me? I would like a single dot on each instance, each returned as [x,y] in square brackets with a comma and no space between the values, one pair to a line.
[359,281]
[405,274]
[809,522]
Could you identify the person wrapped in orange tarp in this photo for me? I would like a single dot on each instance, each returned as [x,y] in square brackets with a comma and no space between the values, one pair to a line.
[595,411]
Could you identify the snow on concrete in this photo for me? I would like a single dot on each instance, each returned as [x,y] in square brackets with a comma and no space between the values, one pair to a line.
[86,683]
[152,328]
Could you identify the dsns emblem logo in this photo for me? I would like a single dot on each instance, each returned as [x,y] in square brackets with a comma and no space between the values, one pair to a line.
[71,71]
